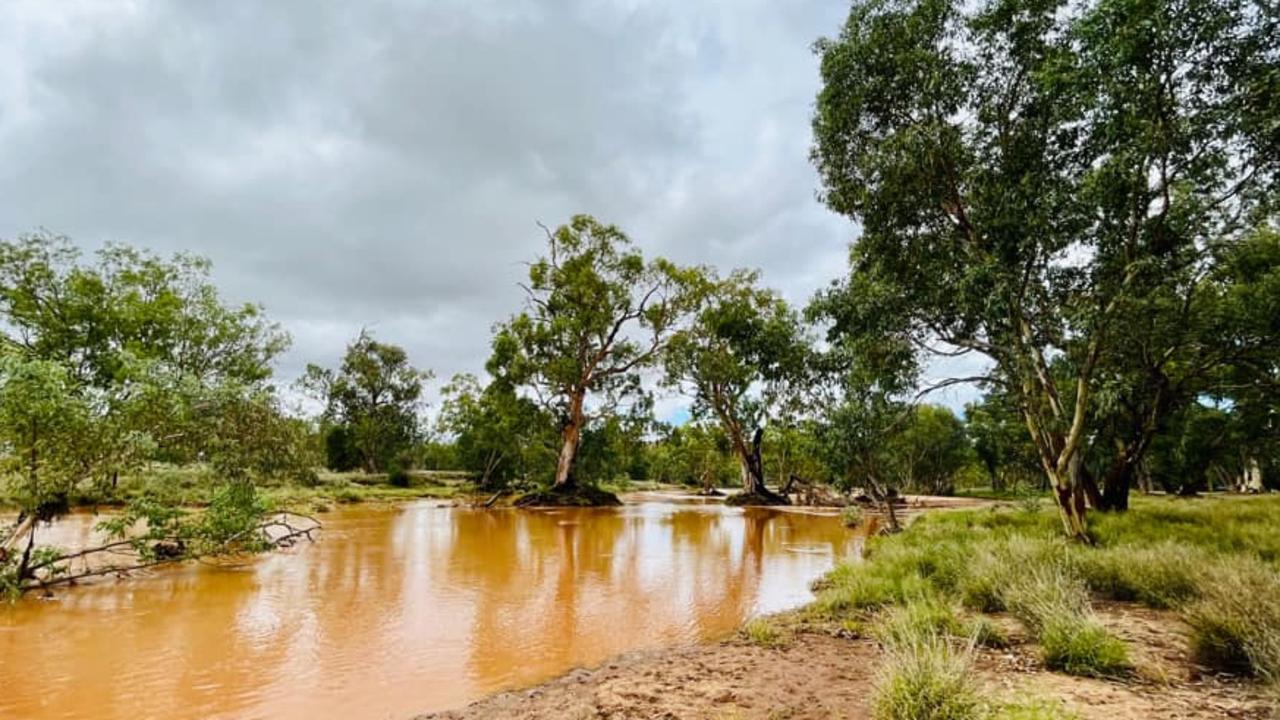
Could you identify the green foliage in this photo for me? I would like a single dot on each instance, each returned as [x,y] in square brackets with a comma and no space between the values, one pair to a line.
[930,450]
[498,435]
[924,677]
[1045,186]
[695,454]
[1235,623]
[597,315]
[375,397]
[131,358]
[397,473]
[340,453]
[1212,561]
[738,357]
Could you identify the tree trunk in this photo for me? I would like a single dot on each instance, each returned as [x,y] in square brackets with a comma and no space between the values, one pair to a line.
[570,435]
[1070,495]
[1071,508]
[752,467]
[1116,484]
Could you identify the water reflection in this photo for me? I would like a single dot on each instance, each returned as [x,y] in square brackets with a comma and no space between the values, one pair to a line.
[401,610]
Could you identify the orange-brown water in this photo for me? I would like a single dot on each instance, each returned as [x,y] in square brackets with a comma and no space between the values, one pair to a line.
[399,610]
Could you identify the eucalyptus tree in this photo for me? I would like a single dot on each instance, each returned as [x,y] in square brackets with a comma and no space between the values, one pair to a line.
[1215,336]
[1022,171]
[374,399]
[743,349]
[596,316]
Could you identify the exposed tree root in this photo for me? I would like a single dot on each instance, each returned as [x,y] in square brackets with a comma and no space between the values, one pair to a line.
[761,497]
[574,496]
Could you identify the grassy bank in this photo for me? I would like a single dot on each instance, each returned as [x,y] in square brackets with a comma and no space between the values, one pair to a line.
[935,593]
[192,486]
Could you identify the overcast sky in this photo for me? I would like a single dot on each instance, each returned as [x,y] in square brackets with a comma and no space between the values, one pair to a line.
[384,164]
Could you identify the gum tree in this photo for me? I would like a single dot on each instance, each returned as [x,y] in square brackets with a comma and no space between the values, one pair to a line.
[597,315]
[741,352]
[1024,171]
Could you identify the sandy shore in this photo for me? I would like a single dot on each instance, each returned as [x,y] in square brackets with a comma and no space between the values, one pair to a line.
[821,671]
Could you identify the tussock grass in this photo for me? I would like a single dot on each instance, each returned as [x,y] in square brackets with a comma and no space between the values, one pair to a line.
[925,677]
[765,633]
[1235,625]
[1082,646]
[1054,605]
[1212,559]
[923,618]
[1163,575]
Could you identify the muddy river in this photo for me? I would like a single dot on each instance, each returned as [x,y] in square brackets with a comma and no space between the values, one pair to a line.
[404,609]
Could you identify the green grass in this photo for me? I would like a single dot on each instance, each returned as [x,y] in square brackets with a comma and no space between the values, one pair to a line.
[1211,559]
[926,677]
[193,485]
[1235,624]
[765,633]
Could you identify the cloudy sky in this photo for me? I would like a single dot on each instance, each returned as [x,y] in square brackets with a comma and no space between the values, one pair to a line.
[383,164]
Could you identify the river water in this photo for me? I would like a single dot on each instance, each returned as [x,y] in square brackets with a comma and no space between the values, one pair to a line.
[403,609]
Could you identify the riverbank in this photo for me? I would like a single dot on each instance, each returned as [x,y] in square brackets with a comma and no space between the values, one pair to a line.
[193,485]
[1149,583]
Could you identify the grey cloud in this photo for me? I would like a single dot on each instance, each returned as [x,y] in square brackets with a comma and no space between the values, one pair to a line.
[383,164]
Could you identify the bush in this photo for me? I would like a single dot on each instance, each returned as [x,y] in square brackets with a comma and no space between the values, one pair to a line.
[925,678]
[851,516]
[397,475]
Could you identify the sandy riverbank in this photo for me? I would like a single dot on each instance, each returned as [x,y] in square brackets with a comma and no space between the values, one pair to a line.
[821,671]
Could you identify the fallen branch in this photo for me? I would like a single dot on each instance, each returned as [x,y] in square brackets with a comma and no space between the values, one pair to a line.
[280,530]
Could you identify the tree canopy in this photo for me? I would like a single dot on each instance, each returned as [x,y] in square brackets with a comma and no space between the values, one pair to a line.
[1027,173]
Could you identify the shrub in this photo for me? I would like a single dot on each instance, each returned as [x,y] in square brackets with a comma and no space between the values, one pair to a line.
[397,475]
[851,516]
[926,678]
